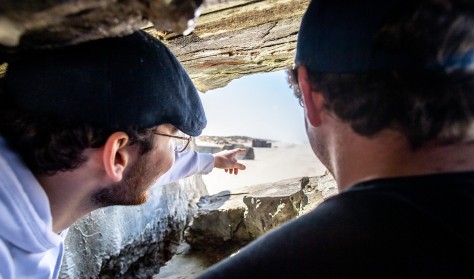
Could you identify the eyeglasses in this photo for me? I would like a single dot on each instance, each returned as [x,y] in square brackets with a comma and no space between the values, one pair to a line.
[181,143]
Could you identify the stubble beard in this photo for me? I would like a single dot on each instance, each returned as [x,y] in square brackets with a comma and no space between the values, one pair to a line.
[319,146]
[133,189]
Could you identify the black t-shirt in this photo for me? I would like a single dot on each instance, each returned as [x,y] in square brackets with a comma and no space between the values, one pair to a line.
[406,227]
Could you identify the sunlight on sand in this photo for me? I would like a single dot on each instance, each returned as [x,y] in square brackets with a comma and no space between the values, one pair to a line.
[282,161]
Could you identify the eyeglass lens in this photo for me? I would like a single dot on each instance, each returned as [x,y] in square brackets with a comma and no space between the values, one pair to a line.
[180,144]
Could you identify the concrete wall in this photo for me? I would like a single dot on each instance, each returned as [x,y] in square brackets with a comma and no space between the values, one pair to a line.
[131,242]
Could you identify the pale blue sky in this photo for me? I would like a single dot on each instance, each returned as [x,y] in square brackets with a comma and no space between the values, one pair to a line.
[259,106]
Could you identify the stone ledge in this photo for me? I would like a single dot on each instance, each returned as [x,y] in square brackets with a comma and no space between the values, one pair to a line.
[212,240]
[231,219]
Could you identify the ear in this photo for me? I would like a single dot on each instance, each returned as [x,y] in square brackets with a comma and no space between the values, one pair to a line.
[116,155]
[313,100]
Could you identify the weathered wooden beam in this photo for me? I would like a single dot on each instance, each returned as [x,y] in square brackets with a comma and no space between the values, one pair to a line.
[238,39]
[231,38]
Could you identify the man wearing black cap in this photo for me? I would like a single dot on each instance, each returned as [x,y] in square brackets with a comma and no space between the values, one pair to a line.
[388,92]
[85,127]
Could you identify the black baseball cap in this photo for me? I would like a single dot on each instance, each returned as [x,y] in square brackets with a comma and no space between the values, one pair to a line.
[115,83]
[339,36]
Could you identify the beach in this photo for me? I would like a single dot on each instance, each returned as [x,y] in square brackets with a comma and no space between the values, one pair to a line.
[281,161]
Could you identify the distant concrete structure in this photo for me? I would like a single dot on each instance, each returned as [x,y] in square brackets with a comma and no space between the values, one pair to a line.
[249,155]
[261,143]
[208,149]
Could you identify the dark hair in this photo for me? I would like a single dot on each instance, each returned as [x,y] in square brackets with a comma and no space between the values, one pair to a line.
[49,145]
[436,104]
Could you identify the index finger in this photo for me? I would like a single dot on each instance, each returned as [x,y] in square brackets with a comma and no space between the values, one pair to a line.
[240,150]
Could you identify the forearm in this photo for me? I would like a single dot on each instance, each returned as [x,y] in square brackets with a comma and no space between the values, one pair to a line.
[187,164]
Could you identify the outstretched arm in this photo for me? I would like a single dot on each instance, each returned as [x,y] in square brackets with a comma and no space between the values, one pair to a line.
[192,162]
[227,160]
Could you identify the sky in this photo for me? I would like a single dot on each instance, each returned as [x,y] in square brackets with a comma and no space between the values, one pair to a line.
[259,106]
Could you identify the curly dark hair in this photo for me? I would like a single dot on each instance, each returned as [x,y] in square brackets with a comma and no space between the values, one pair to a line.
[49,145]
[425,105]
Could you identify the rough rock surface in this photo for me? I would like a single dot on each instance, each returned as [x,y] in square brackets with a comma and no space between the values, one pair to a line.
[231,38]
[35,23]
[230,219]
[270,206]
[229,234]
[238,38]
[217,221]
[132,242]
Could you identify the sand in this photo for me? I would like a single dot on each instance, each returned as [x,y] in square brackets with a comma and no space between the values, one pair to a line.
[282,161]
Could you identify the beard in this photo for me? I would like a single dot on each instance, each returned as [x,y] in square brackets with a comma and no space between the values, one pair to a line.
[319,146]
[132,189]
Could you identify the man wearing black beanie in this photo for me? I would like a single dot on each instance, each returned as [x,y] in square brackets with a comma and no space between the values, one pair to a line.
[84,127]
[388,93]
